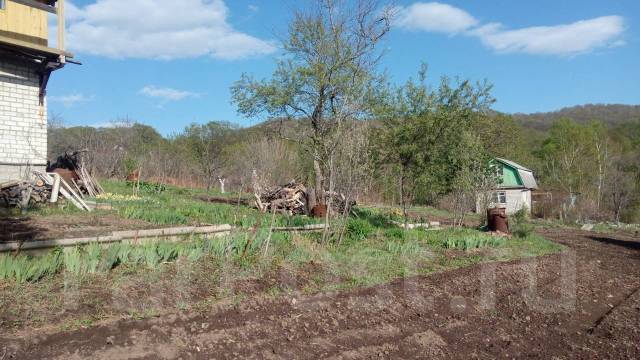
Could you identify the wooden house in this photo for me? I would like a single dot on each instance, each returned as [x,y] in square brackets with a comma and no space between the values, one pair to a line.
[26,63]
[514,186]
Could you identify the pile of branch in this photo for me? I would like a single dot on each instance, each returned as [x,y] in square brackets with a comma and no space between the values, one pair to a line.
[339,202]
[290,198]
[24,194]
[293,199]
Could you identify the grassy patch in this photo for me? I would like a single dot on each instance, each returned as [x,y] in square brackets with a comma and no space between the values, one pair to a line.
[99,282]
[154,278]
[177,206]
[465,239]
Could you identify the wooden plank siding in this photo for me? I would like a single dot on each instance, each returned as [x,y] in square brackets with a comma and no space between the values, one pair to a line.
[24,23]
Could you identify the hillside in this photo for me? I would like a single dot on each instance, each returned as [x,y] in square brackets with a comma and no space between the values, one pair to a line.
[611,114]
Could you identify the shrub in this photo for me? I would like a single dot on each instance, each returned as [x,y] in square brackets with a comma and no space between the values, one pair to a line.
[359,229]
[522,215]
[520,225]
[522,230]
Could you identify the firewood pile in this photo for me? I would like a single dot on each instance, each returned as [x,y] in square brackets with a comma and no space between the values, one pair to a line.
[290,198]
[293,199]
[339,202]
[24,194]
[67,179]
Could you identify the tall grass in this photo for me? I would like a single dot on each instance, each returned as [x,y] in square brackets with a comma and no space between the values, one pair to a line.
[94,258]
[26,268]
[472,241]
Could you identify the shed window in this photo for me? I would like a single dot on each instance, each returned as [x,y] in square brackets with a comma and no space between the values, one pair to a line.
[500,197]
[2,4]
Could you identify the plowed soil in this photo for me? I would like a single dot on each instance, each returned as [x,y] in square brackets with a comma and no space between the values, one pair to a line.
[583,303]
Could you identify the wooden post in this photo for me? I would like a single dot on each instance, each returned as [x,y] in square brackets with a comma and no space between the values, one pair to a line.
[55,189]
[61,28]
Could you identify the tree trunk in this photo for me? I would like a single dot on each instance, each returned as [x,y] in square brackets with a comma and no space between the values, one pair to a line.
[311,200]
[403,201]
[221,180]
[327,217]
[320,199]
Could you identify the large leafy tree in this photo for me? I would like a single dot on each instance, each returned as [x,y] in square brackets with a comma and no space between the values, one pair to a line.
[324,78]
[568,156]
[426,135]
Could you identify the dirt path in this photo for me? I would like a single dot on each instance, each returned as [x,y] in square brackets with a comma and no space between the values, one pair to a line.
[584,303]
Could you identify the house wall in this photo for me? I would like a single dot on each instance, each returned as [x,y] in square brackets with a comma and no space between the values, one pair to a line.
[24,23]
[23,122]
[509,176]
[516,200]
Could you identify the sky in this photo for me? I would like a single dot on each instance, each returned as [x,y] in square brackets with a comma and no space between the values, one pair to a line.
[170,64]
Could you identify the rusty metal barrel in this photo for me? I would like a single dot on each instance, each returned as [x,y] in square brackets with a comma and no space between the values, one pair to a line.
[497,220]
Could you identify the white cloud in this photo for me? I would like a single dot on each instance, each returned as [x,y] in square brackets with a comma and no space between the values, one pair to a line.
[70,100]
[166,93]
[570,39]
[155,29]
[253,8]
[114,124]
[434,16]
[564,40]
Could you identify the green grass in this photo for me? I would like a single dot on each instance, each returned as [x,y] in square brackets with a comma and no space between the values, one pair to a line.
[417,213]
[158,278]
[177,206]
[466,240]
[373,251]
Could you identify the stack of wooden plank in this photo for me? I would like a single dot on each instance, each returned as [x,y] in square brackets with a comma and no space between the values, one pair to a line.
[70,166]
[60,186]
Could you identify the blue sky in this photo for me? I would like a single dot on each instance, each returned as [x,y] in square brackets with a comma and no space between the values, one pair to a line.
[168,67]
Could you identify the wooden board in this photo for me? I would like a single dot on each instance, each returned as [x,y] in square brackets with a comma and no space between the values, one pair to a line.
[24,23]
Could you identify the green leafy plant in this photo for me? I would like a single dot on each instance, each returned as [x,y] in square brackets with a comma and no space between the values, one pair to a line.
[521,226]
[359,229]
[467,242]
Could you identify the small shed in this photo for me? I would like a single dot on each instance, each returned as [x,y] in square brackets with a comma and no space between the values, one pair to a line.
[513,192]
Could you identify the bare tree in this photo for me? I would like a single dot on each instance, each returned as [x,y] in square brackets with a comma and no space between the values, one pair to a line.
[206,144]
[621,187]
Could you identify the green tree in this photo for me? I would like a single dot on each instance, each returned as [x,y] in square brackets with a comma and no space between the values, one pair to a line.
[325,77]
[568,156]
[504,137]
[425,134]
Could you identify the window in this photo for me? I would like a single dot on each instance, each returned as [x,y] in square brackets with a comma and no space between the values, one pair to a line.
[2,4]
[499,171]
[500,197]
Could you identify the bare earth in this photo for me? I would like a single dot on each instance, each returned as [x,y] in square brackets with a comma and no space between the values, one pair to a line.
[60,226]
[584,303]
